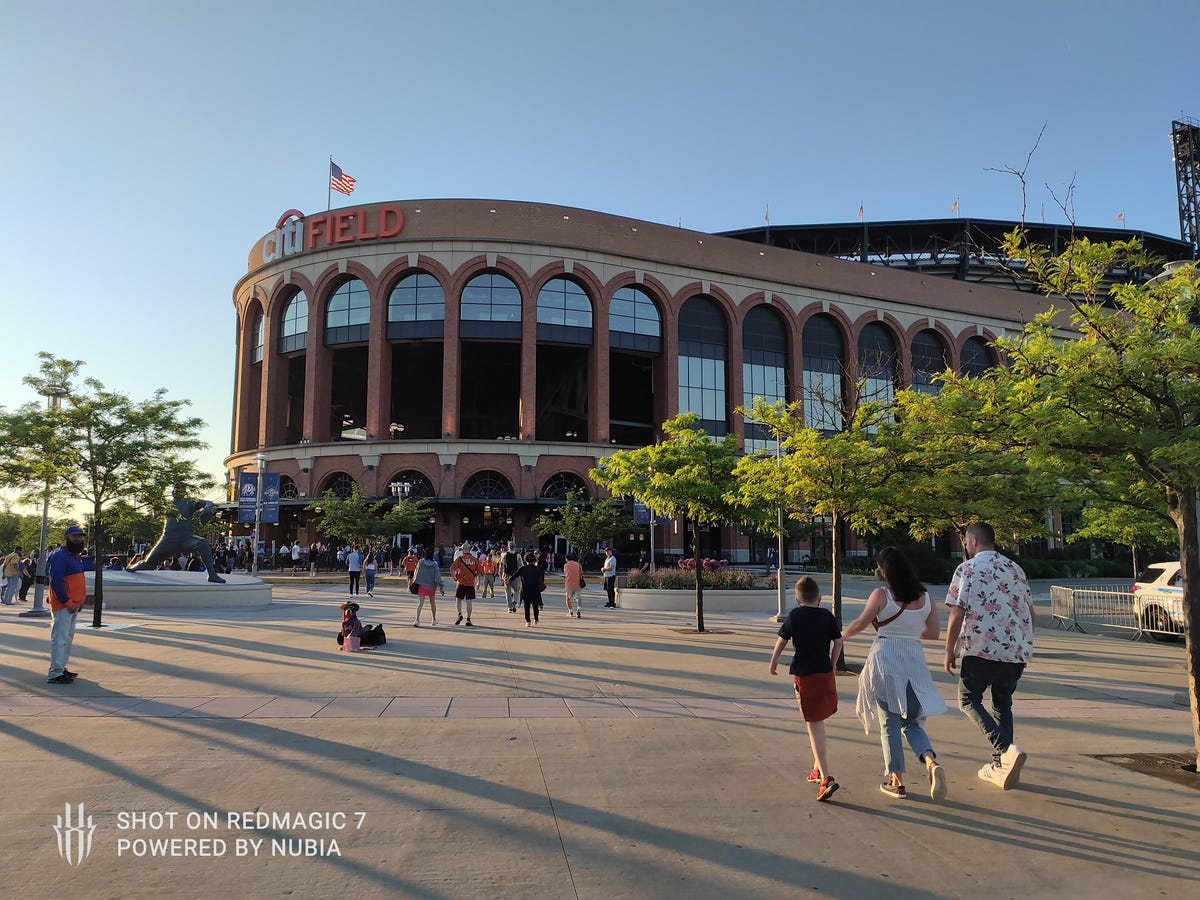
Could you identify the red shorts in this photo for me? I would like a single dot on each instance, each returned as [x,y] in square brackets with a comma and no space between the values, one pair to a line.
[426,591]
[816,695]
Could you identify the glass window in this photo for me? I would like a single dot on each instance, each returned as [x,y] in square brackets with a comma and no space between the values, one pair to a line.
[293,328]
[417,298]
[764,369]
[633,312]
[824,364]
[491,298]
[876,364]
[928,360]
[348,316]
[563,302]
[488,485]
[977,357]
[258,338]
[702,352]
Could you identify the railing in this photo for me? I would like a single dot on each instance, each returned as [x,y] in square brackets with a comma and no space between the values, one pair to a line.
[1094,608]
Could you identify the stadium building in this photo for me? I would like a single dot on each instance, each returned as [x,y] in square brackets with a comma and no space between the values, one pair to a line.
[485,354]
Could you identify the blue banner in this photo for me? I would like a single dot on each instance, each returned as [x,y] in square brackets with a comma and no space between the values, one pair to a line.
[248,497]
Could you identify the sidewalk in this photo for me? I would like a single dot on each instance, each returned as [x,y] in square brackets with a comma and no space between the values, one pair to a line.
[616,755]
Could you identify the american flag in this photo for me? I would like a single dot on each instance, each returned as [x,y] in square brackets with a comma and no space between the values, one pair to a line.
[339,180]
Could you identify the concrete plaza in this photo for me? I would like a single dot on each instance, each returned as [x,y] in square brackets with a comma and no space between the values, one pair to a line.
[617,755]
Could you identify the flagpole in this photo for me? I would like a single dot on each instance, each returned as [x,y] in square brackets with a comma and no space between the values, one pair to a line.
[329,185]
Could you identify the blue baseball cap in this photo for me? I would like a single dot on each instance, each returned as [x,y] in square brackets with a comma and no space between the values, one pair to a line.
[74,529]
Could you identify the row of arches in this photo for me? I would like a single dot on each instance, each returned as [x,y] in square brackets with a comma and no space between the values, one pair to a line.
[509,356]
[486,484]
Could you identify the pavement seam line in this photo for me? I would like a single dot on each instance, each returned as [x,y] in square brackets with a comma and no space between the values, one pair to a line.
[553,812]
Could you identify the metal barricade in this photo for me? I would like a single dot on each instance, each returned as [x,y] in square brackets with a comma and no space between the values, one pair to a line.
[1095,607]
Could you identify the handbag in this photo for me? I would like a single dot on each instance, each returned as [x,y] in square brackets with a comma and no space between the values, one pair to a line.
[542,584]
[413,588]
[582,583]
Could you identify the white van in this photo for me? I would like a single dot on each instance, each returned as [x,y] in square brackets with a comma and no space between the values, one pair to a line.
[1158,601]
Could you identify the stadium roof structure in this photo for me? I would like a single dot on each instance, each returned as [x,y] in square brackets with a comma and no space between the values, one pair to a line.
[960,248]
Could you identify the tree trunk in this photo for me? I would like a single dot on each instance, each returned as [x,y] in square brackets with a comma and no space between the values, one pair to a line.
[698,558]
[1189,559]
[97,542]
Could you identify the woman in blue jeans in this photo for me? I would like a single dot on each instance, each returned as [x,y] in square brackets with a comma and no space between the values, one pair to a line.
[895,687]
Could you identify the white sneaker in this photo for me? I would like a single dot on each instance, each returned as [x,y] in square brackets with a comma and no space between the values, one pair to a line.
[435,621]
[1011,760]
[937,783]
[993,773]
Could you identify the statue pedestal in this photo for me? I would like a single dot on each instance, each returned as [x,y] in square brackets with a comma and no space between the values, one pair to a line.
[179,590]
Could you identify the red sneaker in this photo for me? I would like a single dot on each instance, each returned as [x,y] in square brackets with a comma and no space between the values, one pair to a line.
[827,789]
[815,776]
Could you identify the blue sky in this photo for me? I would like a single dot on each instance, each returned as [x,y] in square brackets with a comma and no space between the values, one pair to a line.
[150,144]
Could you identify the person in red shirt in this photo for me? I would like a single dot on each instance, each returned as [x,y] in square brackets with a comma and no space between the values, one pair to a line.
[464,570]
[68,591]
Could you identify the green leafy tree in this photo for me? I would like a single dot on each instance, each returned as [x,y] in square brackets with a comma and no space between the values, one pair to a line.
[1116,407]
[357,520]
[584,524]
[845,475]
[127,524]
[690,475]
[98,447]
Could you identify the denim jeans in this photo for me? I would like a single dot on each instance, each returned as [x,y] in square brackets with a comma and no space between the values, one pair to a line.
[62,636]
[977,675]
[370,579]
[892,725]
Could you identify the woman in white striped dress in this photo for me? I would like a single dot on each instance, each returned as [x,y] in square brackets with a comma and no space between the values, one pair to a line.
[895,687]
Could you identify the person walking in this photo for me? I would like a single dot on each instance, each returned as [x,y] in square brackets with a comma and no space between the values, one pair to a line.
[531,575]
[295,553]
[573,585]
[895,687]
[370,566]
[464,570]
[510,564]
[487,571]
[818,641]
[409,563]
[28,575]
[68,591]
[428,579]
[609,572]
[354,564]
[12,575]
[990,638]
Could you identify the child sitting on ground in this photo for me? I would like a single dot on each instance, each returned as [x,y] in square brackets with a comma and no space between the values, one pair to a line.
[818,641]
[351,627]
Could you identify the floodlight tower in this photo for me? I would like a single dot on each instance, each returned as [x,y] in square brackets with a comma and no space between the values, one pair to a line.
[1185,144]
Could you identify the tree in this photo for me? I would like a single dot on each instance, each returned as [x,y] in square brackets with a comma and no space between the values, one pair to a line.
[845,474]
[585,524]
[1120,402]
[98,447]
[690,474]
[357,520]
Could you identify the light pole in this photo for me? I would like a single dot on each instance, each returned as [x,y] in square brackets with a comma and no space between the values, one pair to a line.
[261,459]
[54,394]
[781,612]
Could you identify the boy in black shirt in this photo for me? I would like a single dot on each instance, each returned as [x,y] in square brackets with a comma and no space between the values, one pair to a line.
[818,641]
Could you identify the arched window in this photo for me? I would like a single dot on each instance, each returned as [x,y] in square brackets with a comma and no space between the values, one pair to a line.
[634,322]
[293,327]
[824,365]
[703,348]
[876,364]
[977,357]
[488,485]
[491,308]
[559,485]
[288,489]
[764,369]
[341,484]
[928,359]
[258,338]
[418,485]
[348,317]
[416,307]
[564,313]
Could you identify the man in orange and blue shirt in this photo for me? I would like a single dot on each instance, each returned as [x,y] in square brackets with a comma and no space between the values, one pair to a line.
[68,591]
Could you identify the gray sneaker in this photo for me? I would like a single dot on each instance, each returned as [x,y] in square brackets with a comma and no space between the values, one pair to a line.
[992,773]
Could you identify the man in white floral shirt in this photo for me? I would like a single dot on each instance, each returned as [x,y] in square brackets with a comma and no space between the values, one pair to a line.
[991,630]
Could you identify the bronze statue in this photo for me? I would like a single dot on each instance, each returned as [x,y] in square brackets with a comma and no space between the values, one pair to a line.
[179,536]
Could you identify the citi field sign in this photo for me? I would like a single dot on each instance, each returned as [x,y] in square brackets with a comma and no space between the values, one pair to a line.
[298,233]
